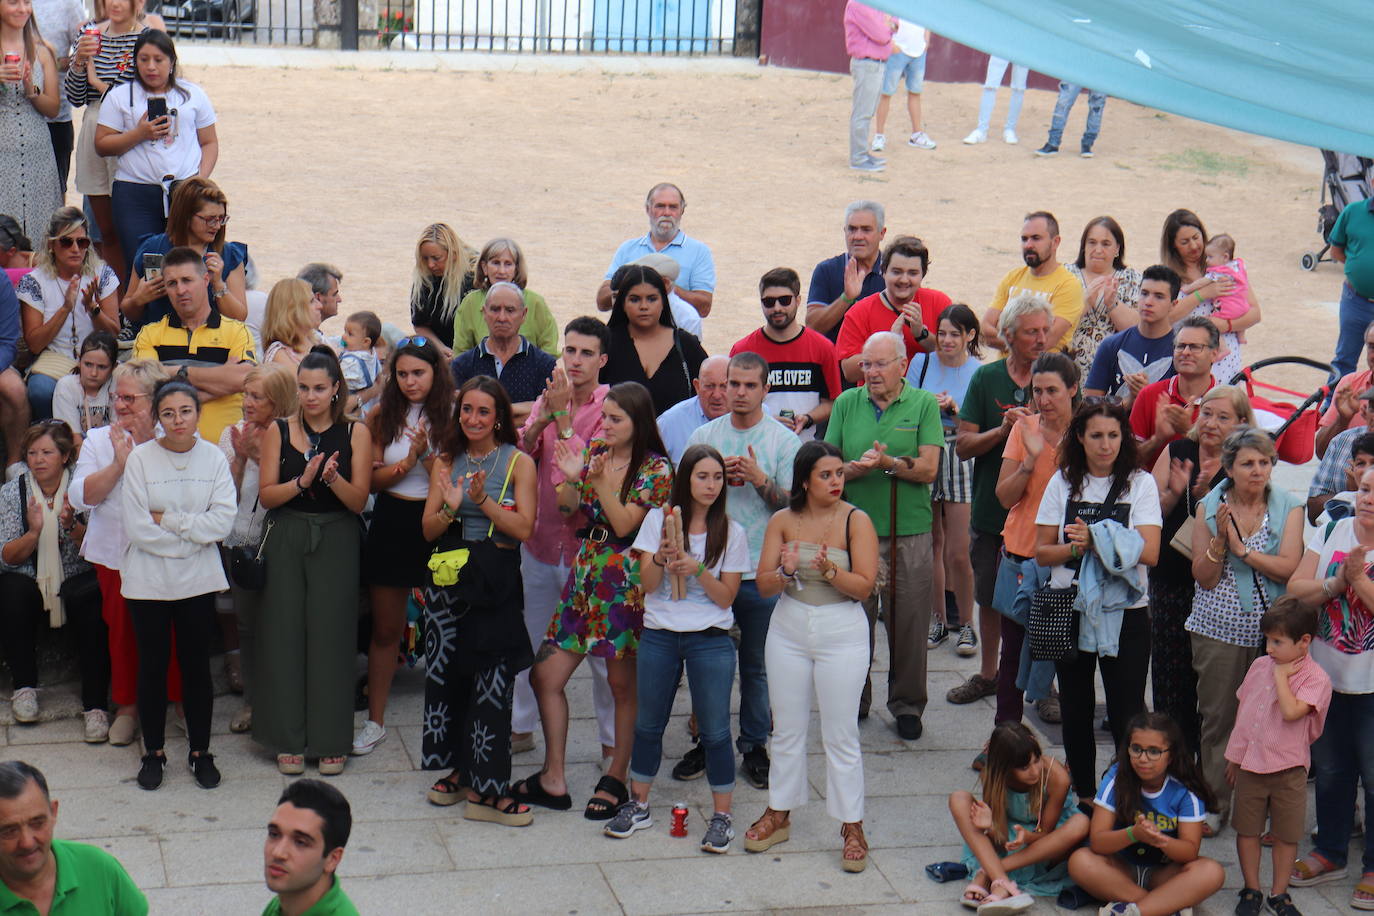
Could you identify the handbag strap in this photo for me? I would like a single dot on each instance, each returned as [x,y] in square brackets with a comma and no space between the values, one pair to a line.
[1113,494]
[925,367]
[510,466]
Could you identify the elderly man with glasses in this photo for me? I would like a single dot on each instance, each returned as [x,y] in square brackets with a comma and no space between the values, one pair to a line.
[1164,410]
[890,436]
[998,395]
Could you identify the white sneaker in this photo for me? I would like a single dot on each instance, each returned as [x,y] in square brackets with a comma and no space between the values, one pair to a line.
[1009,135]
[879,142]
[921,141]
[978,136]
[368,737]
[24,704]
[97,726]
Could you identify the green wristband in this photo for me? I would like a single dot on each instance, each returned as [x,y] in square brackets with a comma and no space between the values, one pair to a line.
[1131,836]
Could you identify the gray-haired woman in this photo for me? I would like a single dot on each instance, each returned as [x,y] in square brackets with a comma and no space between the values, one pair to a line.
[1245,550]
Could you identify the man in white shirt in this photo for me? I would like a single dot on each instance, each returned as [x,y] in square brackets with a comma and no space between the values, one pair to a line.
[908,61]
[677,423]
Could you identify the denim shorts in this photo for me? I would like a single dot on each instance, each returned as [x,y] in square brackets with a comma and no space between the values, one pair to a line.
[898,65]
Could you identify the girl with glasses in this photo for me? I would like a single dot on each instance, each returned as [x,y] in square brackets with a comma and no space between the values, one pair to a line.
[68,294]
[178,503]
[1146,833]
[197,217]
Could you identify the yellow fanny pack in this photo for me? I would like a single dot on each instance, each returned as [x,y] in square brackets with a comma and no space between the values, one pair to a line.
[446,565]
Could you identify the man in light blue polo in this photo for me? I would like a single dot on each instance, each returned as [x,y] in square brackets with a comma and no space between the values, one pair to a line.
[696,282]
[677,423]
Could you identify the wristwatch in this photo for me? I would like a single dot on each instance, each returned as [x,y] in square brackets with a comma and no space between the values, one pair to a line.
[925,332]
[808,421]
[830,572]
[568,433]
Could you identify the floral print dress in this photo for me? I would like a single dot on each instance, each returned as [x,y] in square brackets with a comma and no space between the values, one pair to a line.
[601,612]
[1095,325]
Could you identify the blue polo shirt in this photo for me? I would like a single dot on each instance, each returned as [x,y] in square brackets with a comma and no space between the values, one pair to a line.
[1354,231]
[697,269]
[523,375]
[827,283]
[677,423]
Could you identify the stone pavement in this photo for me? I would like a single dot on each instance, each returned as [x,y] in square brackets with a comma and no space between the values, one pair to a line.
[198,852]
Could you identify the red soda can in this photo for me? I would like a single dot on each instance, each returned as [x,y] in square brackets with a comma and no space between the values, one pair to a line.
[679,827]
[94,32]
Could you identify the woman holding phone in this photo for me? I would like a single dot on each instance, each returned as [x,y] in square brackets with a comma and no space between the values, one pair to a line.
[157,126]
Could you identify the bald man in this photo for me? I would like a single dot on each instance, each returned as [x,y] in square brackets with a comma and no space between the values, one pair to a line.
[676,423]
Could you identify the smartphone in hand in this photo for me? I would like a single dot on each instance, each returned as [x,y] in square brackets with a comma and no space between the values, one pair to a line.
[157,108]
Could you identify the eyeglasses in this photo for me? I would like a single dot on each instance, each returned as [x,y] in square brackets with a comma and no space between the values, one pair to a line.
[68,241]
[213,221]
[879,364]
[128,398]
[775,301]
[416,341]
[1190,348]
[1149,753]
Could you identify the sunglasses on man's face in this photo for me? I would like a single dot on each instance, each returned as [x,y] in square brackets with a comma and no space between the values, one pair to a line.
[775,301]
[67,241]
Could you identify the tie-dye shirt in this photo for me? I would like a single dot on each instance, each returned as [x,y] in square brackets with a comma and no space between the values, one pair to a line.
[1345,627]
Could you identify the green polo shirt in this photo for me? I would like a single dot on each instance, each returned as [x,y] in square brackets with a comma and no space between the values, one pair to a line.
[90,882]
[334,903]
[1354,231]
[909,422]
[991,392]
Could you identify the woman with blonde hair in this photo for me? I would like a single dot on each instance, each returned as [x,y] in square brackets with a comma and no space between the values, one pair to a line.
[69,293]
[502,260]
[197,219]
[443,275]
[1185,472]
[288,330]
[269,393]
[29,188]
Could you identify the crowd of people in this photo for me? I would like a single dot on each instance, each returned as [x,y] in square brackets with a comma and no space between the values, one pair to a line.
[1062,483]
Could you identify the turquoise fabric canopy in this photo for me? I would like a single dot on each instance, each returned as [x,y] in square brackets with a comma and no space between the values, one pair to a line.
[1298,72]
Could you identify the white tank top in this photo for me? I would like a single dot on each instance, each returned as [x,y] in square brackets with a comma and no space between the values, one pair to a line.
[415,484]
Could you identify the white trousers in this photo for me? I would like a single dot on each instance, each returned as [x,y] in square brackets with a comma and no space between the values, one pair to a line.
[821,650]
[543,589]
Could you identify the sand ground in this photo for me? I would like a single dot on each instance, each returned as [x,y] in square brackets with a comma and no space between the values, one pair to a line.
[348,165]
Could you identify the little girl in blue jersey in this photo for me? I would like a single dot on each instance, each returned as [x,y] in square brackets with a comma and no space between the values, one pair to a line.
[1142,852]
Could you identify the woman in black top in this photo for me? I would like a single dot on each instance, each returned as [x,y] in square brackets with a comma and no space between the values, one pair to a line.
[444,266]
[1185,472]
[646,346]
[315,474]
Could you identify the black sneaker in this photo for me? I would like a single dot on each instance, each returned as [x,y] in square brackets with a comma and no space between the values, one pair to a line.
[1047,150]
[938,633]
[756,767]
[1251,902]
[909,727]
[692,765]
[1281,905]
[204,770]
[150,774]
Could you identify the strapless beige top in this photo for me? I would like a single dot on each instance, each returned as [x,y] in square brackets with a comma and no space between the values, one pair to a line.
[810,587]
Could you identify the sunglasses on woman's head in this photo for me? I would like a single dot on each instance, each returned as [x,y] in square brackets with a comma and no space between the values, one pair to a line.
[416,341]
[67,241]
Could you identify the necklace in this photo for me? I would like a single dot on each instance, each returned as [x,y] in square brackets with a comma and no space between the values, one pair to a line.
[479,464]
[171,452]
[828,526]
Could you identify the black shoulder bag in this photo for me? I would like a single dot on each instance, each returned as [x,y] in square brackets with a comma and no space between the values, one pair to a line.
[1052,624]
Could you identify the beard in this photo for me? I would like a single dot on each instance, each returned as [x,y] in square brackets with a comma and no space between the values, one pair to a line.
[1032,258]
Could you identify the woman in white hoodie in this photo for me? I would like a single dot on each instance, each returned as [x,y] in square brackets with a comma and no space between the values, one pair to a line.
[179,502]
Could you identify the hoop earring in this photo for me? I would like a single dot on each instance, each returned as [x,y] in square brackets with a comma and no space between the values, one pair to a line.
[498,426]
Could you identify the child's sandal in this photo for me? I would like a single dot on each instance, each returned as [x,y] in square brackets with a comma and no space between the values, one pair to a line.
[1005,899]
[974,895]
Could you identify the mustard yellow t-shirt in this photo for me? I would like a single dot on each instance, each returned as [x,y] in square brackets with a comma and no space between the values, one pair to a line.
[1062,288]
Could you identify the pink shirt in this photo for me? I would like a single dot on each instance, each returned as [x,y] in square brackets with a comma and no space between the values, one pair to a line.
[867,32]
[1359,382]
[554,540]
[1262,742]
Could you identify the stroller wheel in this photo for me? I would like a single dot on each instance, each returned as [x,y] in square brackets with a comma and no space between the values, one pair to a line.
[1309,261]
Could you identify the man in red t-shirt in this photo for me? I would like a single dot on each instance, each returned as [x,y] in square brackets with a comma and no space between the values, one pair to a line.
[803,373]
[1164,410]
[903,307]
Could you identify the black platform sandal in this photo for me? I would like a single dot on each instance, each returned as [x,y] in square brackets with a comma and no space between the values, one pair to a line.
[599,809]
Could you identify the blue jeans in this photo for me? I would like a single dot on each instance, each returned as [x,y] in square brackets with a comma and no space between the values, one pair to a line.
[138,213]
[1068,94]
[40,389]
[1355,315]
[710,661]
[752,615]
[1343,755]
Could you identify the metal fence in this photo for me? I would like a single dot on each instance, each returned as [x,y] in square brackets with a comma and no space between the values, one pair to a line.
[661,27]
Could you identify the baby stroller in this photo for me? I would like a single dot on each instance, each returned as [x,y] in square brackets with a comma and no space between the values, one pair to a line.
[1345,179]
[1293,426]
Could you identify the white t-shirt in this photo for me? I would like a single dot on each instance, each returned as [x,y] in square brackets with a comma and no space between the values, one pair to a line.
[257,313]
[1138,504]
[1344,630]
[177,154]
[685,315]
[82,412]
[45,292]
[910,38]
[696,611]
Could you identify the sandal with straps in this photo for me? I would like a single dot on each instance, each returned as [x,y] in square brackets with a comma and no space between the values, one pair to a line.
[769,830]
[976,892]
[1004,899]
[1362,898]
[1315,869]
[446,791]
[489,809]
[854,840]
[601,809]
